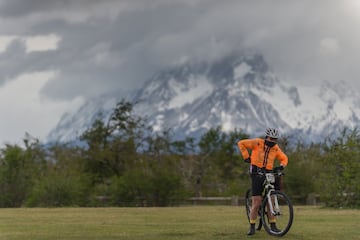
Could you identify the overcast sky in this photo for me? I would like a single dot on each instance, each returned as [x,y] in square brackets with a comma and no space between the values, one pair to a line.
[55,54]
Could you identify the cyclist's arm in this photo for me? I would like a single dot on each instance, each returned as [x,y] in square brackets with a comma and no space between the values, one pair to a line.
[282,158]
[244,145]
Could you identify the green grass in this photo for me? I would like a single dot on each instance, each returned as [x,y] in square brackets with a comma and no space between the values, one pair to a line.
[202,222]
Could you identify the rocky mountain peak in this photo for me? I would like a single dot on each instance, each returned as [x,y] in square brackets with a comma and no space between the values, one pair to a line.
[237,91]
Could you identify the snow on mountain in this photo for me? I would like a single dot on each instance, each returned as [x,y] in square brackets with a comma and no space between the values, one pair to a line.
[192,98]
[73,124]
[238,91]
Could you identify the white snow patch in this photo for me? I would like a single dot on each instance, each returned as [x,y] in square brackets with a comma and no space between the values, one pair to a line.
[153,86]
[234,89]
[241,70]
[206,125]
[213,110]
[342,110]
[194,125]
[183,117]
[199,86]
[300,116]
[226,121]
[159,121]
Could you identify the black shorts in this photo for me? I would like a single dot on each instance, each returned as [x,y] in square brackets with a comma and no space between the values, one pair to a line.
[257,183]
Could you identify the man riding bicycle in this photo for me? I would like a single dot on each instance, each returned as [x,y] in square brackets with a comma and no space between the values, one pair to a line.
[263,154]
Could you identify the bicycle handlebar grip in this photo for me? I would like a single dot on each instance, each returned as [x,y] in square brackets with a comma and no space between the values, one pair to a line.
[278,169]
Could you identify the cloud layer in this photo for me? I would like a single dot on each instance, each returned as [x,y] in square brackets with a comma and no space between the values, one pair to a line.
[97,47]
[107,45]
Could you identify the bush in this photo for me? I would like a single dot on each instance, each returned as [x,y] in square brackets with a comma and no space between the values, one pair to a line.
[168,188]
[137,188]
[59,191]
[131,189]
[15,178]
[339,177]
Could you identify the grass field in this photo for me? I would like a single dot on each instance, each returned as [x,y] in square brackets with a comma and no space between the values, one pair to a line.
[193,222]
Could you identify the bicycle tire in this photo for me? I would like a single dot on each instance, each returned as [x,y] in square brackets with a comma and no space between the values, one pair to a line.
[248,204]
[284,216]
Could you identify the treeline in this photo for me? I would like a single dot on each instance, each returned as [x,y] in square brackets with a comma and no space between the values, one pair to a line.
[123,162]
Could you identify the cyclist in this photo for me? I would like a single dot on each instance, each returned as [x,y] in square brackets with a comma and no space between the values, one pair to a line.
[263,154]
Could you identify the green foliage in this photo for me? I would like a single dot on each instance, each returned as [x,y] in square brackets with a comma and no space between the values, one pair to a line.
[62,182]
[131,189]
[339,177]
[126,163]
[138,188]
[219,163]
[18,168]
[59,191]
[13,183]
[113,146]
[302,172]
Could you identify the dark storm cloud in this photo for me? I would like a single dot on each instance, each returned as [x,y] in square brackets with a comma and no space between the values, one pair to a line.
[117,45]
[95,51]
[19,8]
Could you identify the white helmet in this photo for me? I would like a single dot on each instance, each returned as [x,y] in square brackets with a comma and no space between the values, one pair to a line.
[272,132]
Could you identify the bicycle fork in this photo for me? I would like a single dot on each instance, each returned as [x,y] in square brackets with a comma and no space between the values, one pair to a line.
[273,204]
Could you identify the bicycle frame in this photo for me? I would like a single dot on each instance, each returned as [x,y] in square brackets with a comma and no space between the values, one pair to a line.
[269,188]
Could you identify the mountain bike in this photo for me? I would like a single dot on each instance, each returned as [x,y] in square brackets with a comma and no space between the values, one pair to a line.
[275,204]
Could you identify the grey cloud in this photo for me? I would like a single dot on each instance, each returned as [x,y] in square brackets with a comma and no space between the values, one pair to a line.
[129,41]
[119,52]
[15,61]
[20,8]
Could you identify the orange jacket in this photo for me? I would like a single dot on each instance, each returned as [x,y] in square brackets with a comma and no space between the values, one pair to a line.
[260,156]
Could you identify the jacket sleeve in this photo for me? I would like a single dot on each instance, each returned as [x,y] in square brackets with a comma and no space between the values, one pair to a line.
[244,145]
[282,158]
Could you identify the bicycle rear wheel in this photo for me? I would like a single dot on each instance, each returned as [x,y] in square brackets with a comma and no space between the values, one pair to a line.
[282,217]
[248,204]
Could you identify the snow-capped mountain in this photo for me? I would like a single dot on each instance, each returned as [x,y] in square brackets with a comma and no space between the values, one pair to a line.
[237,91]
[73,124]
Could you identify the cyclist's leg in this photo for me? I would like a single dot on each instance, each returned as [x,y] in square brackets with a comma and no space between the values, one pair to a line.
[256,203]
[256,187]
[248,206]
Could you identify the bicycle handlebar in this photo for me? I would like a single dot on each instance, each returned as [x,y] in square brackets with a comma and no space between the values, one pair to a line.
[276,172]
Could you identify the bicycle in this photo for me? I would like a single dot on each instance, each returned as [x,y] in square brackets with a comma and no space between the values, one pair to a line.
[275,203]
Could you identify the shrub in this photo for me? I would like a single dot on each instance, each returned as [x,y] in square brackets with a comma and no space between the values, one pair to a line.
[59,191]
[137,188]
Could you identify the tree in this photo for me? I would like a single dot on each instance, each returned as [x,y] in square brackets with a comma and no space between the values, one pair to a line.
[302,172]
[13,184]
[339,176]
[218,163]
[97,153]
[19,169]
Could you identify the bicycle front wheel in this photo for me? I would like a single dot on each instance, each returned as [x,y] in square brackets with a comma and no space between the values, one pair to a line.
[248,204]
[279,221]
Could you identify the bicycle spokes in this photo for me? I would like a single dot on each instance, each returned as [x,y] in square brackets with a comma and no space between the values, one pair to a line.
[277,217]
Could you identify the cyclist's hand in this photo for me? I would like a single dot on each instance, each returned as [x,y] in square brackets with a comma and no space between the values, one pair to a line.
[248,160]
[278,169]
